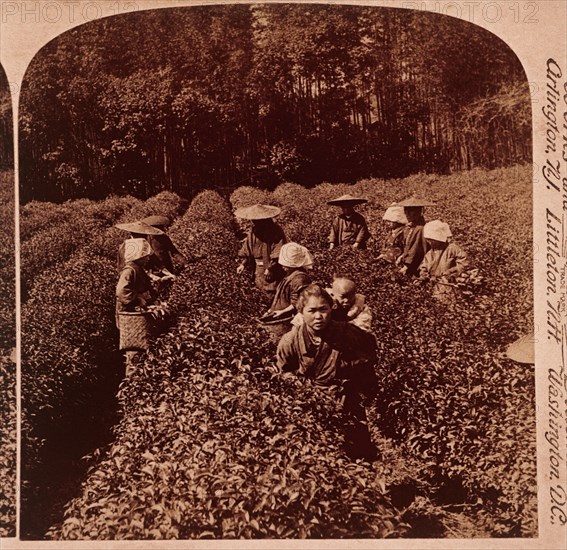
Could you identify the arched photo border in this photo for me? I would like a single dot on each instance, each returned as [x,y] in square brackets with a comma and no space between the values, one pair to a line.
[537,32]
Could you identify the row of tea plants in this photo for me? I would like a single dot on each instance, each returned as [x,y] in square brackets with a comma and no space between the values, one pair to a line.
[448,393]
[69,338]
[7,360]
[214,442]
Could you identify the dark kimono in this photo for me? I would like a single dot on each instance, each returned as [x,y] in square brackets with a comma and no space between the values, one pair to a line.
[415,247]
[260,250]
[133,288]
[349,230]
[164,252]
[289,289]
[287,293]
[345,355]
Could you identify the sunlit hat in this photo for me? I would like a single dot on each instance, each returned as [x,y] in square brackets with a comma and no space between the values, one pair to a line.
[395,214]
[134,249]
[414,202]
[295,255]
[156,221]
[257,212]
[522,350]
[437,230]
[347,200]
[140,228]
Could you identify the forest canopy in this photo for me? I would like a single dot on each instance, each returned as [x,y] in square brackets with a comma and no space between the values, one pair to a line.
[6,128]
[227,95]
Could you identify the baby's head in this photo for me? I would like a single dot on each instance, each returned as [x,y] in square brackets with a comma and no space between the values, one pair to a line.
[344,291]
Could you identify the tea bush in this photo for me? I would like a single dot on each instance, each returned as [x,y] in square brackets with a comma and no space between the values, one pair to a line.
[69,339]
[8,448]
[214,442]
[447,392]
[8,403]
[36,216]
[7,262]
[87,222]
[54,244]
[219,445]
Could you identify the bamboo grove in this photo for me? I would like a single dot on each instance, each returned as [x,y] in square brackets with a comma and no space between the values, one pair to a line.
[6,134]
[226,95]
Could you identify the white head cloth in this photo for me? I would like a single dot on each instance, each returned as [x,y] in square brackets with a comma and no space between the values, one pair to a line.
[134,249]
[437,230]
[295,255]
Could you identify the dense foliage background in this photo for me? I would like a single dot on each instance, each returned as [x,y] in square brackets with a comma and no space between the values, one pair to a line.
[7,318]
[7,357]
[208,440]
[201,97]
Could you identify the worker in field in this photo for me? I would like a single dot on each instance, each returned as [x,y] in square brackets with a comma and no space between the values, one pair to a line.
[348,305]
[334,355]
[134,293]
[164,249]
[260,250]
[349,227]
[295,260]
[414,242]
[135,230]
[395,221]
[444,261]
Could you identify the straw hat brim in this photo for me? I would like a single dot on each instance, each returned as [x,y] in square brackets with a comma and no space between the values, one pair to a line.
[522,350]
[347,200]
[139,228]
[257,212]
[156,221]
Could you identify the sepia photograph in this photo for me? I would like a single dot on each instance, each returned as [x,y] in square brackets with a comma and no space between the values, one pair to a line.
[8,406]
[275,278]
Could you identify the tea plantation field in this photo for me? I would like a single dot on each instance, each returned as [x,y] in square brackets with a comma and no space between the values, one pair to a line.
[209,440]
[7,358]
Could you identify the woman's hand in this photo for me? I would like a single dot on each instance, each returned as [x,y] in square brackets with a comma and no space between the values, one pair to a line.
[240,269]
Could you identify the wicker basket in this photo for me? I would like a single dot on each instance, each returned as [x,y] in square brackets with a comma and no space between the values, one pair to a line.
[134,331]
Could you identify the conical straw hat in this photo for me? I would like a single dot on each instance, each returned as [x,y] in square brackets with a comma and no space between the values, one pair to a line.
[347,200]
[257,212]
[522,350]
[140,228]
[156,221]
